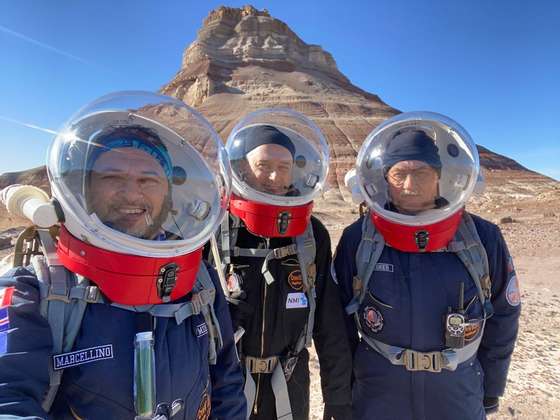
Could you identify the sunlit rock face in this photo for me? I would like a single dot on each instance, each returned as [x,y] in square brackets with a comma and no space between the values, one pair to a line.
[244,59]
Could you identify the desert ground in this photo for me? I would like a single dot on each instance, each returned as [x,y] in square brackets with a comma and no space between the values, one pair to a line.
[533,237]
[531,227]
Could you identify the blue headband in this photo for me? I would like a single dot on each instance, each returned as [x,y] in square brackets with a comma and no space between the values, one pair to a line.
[157,151]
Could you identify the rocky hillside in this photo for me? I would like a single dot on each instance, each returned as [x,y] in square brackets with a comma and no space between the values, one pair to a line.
[244,59]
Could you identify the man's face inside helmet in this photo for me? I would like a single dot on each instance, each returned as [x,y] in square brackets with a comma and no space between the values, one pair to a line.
[413,186]
[128,191]
[268,168]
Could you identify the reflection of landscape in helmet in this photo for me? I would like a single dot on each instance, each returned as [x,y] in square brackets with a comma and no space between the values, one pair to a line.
[430,138]
[196,176]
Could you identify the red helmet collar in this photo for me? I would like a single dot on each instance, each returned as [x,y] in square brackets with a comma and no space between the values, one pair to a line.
[271,221]
[426,238]
[130,279]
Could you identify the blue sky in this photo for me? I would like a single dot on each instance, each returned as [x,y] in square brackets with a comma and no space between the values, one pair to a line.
[494,66]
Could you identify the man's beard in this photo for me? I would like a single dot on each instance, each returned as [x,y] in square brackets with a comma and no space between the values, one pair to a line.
[147,227]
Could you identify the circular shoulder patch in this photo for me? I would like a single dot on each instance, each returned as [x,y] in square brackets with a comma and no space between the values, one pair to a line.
[513,294]
[295,280]
[373,319]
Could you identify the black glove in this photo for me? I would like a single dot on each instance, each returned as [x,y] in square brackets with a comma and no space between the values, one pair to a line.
[337,412]
[491,404]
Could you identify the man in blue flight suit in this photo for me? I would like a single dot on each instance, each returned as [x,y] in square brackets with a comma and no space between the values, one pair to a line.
[430,290]
[121,301]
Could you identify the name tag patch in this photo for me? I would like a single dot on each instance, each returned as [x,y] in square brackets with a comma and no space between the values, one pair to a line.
[201,330]
[388,268]
[296,300]
[80,357]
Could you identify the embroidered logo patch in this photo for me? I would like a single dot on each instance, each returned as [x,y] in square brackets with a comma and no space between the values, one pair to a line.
[201,330]
[296,300]
[295,280]
[472,329]
[80,357]
[513,294]
[388,268]
[203,412]
[373,319]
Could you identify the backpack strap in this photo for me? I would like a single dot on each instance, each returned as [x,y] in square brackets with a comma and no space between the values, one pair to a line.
[469,249]
[216,342]
[63,313]
[306,252]
[368,254]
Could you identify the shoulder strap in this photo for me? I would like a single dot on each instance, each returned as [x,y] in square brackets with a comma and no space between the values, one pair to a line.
[306,253]
[63,313]
[368,254]
[469,249]
[204,283]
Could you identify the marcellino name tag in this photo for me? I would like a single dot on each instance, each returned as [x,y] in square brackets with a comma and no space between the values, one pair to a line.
[80,357]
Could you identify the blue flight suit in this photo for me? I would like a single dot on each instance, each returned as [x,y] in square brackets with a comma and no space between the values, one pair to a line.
[408,297]
[103,389]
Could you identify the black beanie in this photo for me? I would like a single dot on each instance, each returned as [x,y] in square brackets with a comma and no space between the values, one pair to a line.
[258,135]
[411,145]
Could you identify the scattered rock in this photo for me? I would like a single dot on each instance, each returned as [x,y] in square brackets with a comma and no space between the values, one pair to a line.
[506,219]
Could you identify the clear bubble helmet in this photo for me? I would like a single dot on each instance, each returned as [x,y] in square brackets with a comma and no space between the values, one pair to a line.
[279,160]
[416,171]
[143,181]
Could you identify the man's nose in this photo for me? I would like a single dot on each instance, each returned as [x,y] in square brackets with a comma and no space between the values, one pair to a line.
[409,182]
[272,175]
[133,189]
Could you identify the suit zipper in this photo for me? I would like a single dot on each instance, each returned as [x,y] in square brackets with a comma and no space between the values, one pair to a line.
[255,405]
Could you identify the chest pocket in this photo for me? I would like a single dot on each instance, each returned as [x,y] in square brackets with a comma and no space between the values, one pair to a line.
[292,302]
[386,286]
[381,309]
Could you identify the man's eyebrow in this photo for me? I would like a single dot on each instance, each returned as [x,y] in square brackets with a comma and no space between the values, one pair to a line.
[111,169]
[285,161]
[119,171]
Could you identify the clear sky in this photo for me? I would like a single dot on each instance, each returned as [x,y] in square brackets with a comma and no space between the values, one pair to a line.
[494,66]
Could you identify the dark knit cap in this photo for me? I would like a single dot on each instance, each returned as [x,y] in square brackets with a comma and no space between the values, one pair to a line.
[258,135]
[411,145]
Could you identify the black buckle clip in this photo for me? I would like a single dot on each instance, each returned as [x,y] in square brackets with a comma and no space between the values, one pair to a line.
[166,280]
[283,221]
[422,238]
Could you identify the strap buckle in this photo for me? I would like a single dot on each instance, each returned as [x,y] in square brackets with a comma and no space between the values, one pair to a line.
[418,361]
[91,294]
[261,365]
[284,251]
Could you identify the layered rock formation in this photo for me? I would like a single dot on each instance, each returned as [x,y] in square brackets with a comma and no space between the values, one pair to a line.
[244,59]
